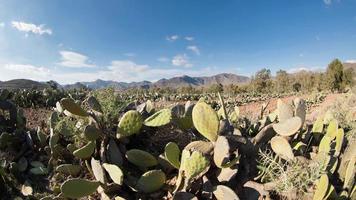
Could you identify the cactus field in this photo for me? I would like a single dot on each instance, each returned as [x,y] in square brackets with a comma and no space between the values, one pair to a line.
[99,145]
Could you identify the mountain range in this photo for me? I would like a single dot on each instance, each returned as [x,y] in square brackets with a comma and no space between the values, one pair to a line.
[175,82]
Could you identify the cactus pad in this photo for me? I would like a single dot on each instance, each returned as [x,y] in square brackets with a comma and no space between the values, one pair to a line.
[325,144]
[91,132]
[222,192]
[321,188]
[282,148]
[332,129]
[206,121]
[151,181]
[172,153]
[78,188]
[69,169]
[115,173]
[130,123]
[288,127]
[72,107]
[141,158]
[160,118]
[194,164]
[284,111]
[225,155]
[86,151]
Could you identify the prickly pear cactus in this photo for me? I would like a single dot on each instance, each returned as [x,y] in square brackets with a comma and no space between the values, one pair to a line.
[72,107]
[151,181]
[282,148]
[206,121]
[172,154]
[288,127]
[321,188]
[160,118]
[130,123]
[78,188]
[141,158]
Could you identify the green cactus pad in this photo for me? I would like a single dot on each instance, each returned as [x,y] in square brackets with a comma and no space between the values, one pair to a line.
[284,111]
[321,188]
[130,123]
[325,144]
[206,121]
[69,169]
[288,127]
[339,141]
[222,192]
[72,107]
[78,188]
[98,170]
[282,148]
[113,153]
[115,173]
[71,148]
[160,118]
[141,158]
[85,152]
[318,126]
[203,147]
[151,181]
[91,132]
[94,104]
[194,164]
[350,174]
[332,129]
[172,153]
[223,155]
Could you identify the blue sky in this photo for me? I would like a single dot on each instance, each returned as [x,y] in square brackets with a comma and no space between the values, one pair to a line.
[131,40]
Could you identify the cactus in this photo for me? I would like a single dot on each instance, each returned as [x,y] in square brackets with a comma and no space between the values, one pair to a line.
[172,153]
[151,181]
[325,144]
[284,111]
[78,188]
[98,170]
[282,148]
[300,109]
[94,104]
[222,192]
[206,121]
[350,174]
[72,107]
[69,169]
[130,123]
[332,129]
[288,127]
[114,154]
[194,164]
[92,133]
[115,173]
[339,141]
[160,118]
[225,154]
[141,158]
[85,152]
[321,188]
[318,126]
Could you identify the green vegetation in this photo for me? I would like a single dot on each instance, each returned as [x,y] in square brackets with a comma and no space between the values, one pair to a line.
[104,146]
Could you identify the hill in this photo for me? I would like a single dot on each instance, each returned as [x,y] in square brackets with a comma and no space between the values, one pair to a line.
[22,84]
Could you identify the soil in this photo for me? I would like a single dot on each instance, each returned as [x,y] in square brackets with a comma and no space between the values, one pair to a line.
[36,117]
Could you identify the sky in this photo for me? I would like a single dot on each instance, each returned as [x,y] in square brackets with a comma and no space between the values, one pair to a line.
[131,40]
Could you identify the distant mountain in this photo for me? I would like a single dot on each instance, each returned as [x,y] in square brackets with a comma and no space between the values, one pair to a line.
[175,82]
[224,79]
[22,84]
[350,65]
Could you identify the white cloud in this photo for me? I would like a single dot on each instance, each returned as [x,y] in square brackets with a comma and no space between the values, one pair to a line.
[31,28]
[302,68]
[163,59]
[189,38]
[172,38]
[16,71]
[328,2]
[350,61]
[2,24]
[195,49]
[181,60]
[74,59]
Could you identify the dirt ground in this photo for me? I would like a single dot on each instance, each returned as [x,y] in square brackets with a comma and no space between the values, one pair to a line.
[35,117]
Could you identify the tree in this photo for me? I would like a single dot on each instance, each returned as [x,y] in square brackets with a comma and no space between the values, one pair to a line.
[348,77]
[262,80]
[282,81]
[296,87]
[215,88]
[334,75]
